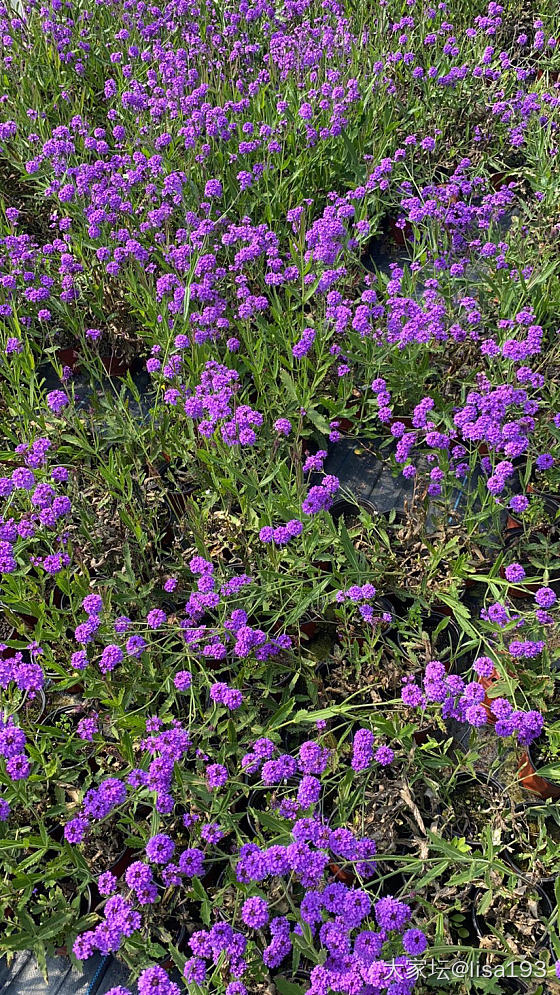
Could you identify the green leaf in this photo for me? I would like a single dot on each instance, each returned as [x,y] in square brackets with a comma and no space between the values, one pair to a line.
[286,987]
[319,421]
[485,902]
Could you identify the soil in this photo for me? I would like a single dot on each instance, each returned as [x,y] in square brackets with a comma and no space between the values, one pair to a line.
[394,810]
[379,678]
[102,851]
[471,807]
[6,629]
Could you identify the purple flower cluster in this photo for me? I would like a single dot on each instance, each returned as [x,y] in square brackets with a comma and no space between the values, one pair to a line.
[12,749]
[363,751]
[282,534]
[36,511]
[320,497]
[466,703]
[211,404]
[22,670]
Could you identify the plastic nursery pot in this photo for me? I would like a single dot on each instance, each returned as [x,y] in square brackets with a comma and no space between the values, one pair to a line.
[69,357]
[527,772]
[370,481]
[421,736]
[514,529]
[545,909]
[446,641]
[180,936]
[36,705]
[179,489]
[394,880]
[397,234]
[467,791]
[123,861]
[530,810]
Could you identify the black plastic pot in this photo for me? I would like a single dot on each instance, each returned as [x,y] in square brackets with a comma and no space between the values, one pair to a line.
[447,640]
[545,907]
[395,881]
[528,810]
[465,780]
[39,701]
[369,481]
[514,530]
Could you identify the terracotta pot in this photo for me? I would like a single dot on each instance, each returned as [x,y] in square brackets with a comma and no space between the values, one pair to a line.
[532,781]
[347,877]
[69,357]
[115,366]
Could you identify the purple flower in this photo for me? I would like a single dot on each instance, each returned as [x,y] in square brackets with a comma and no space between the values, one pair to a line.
[23,478]
[182,680]
[213,188]
[79,660]
[414,942]
[160,848]
[514,572]
[155,618]
[254,912]
[75,830]
[391,914]
[484,666]
[519,503]
[111,656]
[384,755]
[545,461]
[362,749]
[195,970]
[135,646]
[106,883]
[92,604]
[545,597]
[57,400]
[283,426]
[191,862]
[216,775]
[309,791]
[155,981]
